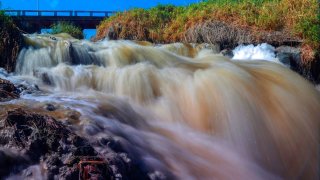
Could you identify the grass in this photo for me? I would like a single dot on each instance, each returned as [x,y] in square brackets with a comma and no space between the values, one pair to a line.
[169,23]
[66,27]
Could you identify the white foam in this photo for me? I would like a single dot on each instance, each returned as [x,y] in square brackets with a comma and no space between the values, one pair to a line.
[262,51]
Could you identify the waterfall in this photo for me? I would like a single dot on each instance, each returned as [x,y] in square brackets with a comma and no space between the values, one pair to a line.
[183,108]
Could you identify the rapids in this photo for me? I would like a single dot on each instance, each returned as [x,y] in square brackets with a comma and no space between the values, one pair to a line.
[186,110]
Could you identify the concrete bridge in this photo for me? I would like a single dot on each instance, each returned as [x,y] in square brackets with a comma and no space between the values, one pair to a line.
[32,21]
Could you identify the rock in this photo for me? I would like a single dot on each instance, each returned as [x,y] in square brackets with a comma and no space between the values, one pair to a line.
[291,57]
[11,41]
[50,107]
[41,138]
[7,91]
[10,160]
[315,69]
[284,58]
[25,88]
[50,147]
[227,52]
[46,79]
[72,116]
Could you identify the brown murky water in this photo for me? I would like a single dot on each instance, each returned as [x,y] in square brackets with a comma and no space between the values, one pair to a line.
[185,109]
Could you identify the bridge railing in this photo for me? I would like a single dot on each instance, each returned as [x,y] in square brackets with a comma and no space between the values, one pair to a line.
[59,13]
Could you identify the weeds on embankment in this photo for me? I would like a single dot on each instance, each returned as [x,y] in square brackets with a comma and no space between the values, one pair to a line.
[67,27]
[167,23]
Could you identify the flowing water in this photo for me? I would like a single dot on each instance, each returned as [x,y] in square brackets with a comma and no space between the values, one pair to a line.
[184,109]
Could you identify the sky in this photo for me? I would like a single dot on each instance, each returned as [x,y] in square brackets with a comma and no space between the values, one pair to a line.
[98,5]
[94,5]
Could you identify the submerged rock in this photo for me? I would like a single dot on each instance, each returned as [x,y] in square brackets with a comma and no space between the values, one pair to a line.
[50,107]
[7,90]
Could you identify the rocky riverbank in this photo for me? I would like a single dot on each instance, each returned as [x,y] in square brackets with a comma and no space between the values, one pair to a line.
[40,141]
[290,26]
[11,42]
[290,50]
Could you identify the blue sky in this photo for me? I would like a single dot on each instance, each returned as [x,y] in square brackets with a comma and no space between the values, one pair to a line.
[97,5]
[101,5]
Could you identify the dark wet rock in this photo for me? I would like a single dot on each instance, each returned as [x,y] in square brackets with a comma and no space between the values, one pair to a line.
[10,162]
[50,107]
[27,88]
[11,42]
[292,57]
[46,79]
[227,52]
[44,76]
[44,144]
[111,143]
[21,87]
[36,87]
[53,38]
[289,56]
[80,54]
[124,164]
[43,139]
[7,90]
[315,69]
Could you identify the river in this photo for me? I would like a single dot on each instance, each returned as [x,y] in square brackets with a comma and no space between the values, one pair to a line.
[186,111]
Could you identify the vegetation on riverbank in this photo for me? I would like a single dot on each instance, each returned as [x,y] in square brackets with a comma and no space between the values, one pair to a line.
[163,24]
[11,42]
[66,27]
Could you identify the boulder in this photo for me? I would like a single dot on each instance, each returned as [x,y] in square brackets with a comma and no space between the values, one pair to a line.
[7,91]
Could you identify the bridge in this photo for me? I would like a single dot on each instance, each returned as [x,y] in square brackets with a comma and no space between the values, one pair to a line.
[32,21]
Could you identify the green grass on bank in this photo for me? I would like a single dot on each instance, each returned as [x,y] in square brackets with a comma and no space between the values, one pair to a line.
[169,23]
[66,27]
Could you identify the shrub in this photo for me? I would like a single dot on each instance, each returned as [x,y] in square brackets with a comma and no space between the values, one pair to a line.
[66,27]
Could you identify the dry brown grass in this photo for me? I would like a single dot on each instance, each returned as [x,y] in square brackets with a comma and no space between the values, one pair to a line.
[274,21]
